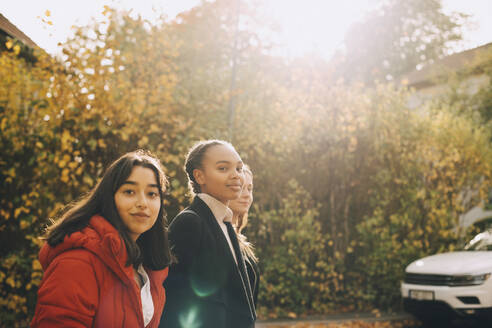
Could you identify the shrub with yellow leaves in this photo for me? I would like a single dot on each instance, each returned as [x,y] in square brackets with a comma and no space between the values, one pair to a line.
[62,122]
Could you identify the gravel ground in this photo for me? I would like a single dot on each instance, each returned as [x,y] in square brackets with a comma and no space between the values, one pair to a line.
[348,320]
[365,320]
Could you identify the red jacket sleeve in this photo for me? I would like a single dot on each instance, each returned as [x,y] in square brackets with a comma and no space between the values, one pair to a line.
[68,294]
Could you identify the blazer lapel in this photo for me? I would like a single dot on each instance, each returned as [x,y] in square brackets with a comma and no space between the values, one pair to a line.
[205,212]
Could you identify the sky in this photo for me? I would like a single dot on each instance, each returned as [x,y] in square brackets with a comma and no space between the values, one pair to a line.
[308,26]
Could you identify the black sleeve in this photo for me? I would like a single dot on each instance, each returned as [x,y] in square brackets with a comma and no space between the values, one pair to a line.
[185,235]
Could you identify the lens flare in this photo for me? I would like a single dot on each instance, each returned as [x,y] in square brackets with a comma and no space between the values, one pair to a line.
[189,319]
[202,289]
[208,275]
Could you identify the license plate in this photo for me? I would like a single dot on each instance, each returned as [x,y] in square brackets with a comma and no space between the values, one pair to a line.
[421,295]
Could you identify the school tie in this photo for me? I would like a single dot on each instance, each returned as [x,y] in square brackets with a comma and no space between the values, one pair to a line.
[242,267]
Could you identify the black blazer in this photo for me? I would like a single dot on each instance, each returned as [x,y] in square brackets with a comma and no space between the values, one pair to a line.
[204,289]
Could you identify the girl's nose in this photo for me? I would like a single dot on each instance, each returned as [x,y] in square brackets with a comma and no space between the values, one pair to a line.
[141,201]
[239,175]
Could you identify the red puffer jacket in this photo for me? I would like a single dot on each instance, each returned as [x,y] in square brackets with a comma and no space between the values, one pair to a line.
[86,282]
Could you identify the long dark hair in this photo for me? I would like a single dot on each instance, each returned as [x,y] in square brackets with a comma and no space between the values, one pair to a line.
[152,247]
[194,160]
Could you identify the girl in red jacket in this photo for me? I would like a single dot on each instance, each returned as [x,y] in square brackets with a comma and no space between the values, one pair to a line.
[105,260]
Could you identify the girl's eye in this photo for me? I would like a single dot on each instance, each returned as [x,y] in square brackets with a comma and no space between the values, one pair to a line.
[222,168]
[153,194]
[128,192]
[239,169]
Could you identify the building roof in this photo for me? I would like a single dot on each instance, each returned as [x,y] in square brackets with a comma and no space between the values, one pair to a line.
[455,62]
[9,28]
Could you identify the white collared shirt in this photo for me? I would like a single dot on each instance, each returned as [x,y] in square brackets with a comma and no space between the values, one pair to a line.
[222,213]
[146,296]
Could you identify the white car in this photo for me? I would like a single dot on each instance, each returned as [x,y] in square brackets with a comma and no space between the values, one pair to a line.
[445,286]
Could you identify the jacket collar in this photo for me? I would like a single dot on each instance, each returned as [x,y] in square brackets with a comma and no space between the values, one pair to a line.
[99,238]
[220,211]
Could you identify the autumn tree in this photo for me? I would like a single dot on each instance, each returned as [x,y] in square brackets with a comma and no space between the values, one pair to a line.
[218,43]
[396,37]
[63,121]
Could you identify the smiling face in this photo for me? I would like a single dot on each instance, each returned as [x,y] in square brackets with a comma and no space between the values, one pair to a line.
[138,201]
[240,205]
[221,173]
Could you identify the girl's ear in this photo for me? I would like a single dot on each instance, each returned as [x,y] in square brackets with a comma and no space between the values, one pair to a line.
[199,177]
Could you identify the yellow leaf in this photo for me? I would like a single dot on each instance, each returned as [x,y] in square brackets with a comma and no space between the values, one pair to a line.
[144,141]
[24,224]
[88,180]
[5,214]
[18,211]
[101,143]
[47,13]
[36,265]
[124,136]
[106,10]
[154,128]
[64,176]
[17,49]
[292,315]
[9,44]
[65,137]
[11,172]
[10,281]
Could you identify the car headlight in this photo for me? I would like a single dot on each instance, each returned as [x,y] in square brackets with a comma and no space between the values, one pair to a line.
[468,280]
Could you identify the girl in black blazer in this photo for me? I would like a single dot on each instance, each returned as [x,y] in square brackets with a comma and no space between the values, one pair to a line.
[240,207]
[209,287]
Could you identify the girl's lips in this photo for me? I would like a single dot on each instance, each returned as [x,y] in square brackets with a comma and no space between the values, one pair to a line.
[236,188]
[141,215]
